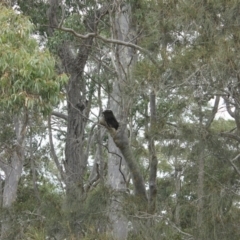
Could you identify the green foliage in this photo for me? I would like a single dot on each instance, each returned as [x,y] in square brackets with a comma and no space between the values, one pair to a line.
[33,218]
[27,73]
[73,22]
[223,125]
[196,43]
[7,134]
[36,10]
[91,212]
[35,233]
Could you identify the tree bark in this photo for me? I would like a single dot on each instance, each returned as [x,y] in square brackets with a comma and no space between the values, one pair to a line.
[116,182]
[13,169]
[203,132]
[200,190]
[75,152]
[123,60]
[178,190]
[152,153]
[200,182]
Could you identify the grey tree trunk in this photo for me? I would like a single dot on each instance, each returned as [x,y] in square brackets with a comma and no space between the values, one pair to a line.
[1,190]
[75,149]
[116,181]
[152,152]
[203,132]
[177,175]
[123,60]
[12,167]
[200,191]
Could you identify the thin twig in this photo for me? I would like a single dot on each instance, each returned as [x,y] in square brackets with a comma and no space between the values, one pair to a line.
[93,180]
[214,111]
[120,164]
[60,115]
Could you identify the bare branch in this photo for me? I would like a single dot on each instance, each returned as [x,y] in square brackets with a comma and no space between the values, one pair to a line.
[93,180]
[108,40]
[60,115]
[120,164]
[232,114]
[230,135]
[78,35]
[233,165]
[214,111]
[53,153]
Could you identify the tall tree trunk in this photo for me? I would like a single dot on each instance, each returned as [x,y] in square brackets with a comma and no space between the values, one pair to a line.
[75,149]
[200,191]
[123,62]
[203,132]
[177,175]
[116,180]
[152,153]
[200,184]
[75,153]
[13,170]
[75,162]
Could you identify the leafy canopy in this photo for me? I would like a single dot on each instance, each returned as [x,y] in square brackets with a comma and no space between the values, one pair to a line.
[27,73]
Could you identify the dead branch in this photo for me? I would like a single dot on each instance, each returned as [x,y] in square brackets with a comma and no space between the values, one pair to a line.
[108,40]
[60,115]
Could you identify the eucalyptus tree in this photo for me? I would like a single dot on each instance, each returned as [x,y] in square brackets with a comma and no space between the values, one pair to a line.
[28,84]
[208,51]
[194,45]
[157,64]
[202,61]
[75,56]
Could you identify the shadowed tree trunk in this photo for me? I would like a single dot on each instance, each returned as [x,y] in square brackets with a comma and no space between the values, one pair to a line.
[76,157]
[75,152]
[153,157]
[177,176]
[203,132]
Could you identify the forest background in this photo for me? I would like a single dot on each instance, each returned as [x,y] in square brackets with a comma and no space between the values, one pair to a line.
[167,166]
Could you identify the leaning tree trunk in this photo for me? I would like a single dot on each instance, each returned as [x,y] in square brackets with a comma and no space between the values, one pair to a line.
[12,168]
